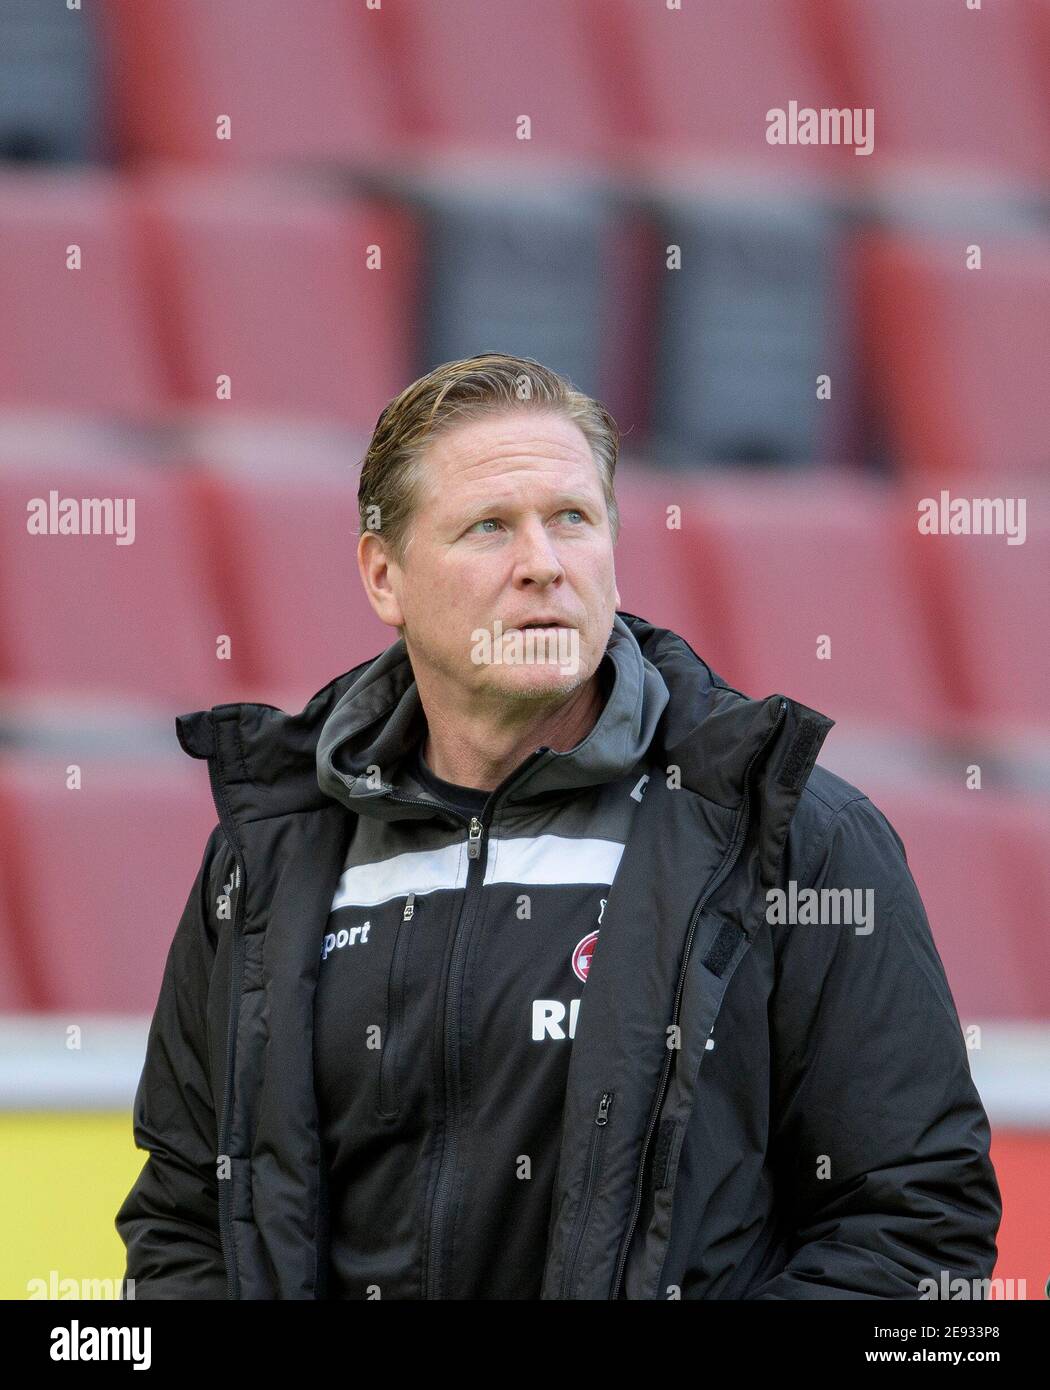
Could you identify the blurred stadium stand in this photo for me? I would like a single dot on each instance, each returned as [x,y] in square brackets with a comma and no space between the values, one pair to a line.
[958,355]
[173,70]
[82,340]
[92,935]
[986,121]
[140,618]
[252,275]
[757,517]
[50,84]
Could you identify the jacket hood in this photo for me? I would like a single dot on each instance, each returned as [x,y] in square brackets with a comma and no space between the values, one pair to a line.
[709,739]
[380,720]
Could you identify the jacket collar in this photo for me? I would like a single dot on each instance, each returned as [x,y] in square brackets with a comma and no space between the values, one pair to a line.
[703,734]
[380,719]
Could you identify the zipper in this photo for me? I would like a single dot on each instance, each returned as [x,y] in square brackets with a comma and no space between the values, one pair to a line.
[445,1180]
[444,1185]
[474,838]
[718,878]
[389,1103]
[236,980]
[601,1119]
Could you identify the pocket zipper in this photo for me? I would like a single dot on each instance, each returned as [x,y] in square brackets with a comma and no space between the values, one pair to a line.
[389,1102]
[601,1119]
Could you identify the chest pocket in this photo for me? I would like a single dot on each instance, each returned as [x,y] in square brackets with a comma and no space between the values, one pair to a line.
[389,1103]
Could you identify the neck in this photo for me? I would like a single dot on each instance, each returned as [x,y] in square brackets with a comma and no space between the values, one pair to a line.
[483,750]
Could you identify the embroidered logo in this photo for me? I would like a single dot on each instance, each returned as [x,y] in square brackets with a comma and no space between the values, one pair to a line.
[581,956]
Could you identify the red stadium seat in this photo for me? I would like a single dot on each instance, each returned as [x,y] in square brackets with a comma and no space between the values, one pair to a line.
[106,871]
[982,864]
[269,284]
[470,70]
[74,340]
[1020,1155]
[959,356]
[14,992]
[681,90]
[1037,13]
[794,561]
[297,606]
[83,613]
[17,976]
[990,599]
[297,85]
[660,573]
[955,90]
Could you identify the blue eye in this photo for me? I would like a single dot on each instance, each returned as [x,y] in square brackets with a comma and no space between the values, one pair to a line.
[568,511]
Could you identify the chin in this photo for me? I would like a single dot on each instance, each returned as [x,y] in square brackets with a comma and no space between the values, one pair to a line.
[537,683]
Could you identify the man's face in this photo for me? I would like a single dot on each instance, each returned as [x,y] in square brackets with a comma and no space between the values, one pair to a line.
[511,526]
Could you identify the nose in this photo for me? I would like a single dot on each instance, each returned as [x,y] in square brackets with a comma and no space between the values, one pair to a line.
[536,561]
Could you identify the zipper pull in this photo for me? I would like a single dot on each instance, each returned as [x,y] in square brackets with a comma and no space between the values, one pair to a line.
[474,839]
[410,907]
[604,1106]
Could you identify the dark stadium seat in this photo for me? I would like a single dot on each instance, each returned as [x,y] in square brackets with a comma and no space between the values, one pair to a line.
[755,309]
[532,272]
[981,861]
[106,871]
[299,86]
[822,557]
[50,95]
[74,340]
[268,283]
[957,357]
[83,613]
[290,565]
[936,75]
[524,239]
[745,325]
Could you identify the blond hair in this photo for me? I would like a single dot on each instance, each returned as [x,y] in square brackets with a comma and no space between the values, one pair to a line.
[392,470]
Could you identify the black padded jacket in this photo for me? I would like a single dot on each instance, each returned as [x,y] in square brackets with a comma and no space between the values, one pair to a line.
[752,1109]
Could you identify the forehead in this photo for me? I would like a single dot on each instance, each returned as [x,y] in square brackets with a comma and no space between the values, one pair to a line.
[509,451]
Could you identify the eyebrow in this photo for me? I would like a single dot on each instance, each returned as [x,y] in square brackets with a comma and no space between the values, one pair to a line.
[561,501]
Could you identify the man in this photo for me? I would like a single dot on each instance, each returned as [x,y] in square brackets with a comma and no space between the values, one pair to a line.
[479,994]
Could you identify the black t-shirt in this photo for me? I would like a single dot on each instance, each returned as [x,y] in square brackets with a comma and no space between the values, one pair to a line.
[470,800]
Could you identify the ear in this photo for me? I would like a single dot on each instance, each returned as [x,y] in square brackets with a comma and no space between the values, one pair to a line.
[375,567]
